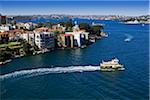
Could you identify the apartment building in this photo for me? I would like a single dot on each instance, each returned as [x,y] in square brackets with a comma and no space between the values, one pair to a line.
[44,38]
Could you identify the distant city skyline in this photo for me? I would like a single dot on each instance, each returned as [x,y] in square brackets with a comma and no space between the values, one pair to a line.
[126,8]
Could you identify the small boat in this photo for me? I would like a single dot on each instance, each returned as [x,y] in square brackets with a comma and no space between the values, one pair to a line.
[127,40]
[143,24]
[112,65]
[106,35]
[92,40]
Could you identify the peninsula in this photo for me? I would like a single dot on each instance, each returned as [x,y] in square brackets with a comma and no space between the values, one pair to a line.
[18,39]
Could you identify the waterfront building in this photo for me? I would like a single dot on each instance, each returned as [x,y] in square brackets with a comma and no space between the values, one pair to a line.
[15,35]
[44,38]
[66,40]
[11,35]
[75,28]
[80,37]
[4,28]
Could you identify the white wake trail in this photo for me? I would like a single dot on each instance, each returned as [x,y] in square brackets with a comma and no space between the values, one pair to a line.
[43,71]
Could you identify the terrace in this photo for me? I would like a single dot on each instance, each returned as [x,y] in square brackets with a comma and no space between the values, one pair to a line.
[12,45]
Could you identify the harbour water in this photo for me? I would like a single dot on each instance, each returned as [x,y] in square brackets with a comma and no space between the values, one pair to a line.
[35,77]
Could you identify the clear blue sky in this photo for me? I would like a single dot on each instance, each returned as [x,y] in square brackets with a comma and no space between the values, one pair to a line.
[132,8]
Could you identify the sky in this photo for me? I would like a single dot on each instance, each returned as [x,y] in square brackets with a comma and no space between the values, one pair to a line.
[108,7]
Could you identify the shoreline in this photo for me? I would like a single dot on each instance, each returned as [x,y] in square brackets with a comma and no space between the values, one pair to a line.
[34,54]
[5,62]
[104,35]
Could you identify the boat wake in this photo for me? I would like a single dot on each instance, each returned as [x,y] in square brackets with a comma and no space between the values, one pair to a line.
[43,71]
[128,38]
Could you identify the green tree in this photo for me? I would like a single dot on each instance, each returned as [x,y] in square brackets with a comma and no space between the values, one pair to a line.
[69,24]
[85,26]
[8,49]
[49,24]
[27,48]
[40,25]
[36,48]
[56,32]
[96,29]
[62,23]
[5,55]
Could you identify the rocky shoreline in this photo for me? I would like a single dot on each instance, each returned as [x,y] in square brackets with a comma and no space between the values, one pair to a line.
[47,50]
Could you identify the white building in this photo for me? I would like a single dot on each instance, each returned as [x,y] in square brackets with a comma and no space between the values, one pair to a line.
[29,26]
[76,28]
[29,37]
[4,28]
[80,37]
[44,39]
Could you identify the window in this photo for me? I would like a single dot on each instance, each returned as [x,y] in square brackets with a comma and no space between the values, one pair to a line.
[46,34]
[41,35]
[37,36]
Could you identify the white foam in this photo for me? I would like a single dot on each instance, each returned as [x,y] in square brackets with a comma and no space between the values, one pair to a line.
[128,37]
[43,71]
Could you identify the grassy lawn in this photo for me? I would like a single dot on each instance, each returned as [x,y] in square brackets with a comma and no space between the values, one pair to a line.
[10,44]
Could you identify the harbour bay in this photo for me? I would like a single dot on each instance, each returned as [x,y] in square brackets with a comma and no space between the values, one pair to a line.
[129,84]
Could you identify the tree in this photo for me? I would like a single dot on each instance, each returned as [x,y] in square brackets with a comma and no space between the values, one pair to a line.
[56,32]
[40,25]
[85,26]
[69,24]
[96,29]
[62,23]
[5,55]
[8,49]
[22,41]
[27,48]
[36,48]
[49,24]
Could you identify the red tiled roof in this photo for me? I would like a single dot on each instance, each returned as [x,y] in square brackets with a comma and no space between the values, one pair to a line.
[2,33]
[68,34]
[16,30]
[44,29]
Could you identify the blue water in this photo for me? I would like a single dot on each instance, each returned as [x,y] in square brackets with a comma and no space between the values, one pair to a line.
[131,84]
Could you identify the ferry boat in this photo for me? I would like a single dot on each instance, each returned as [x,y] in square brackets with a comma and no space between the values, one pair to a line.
[112,65]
